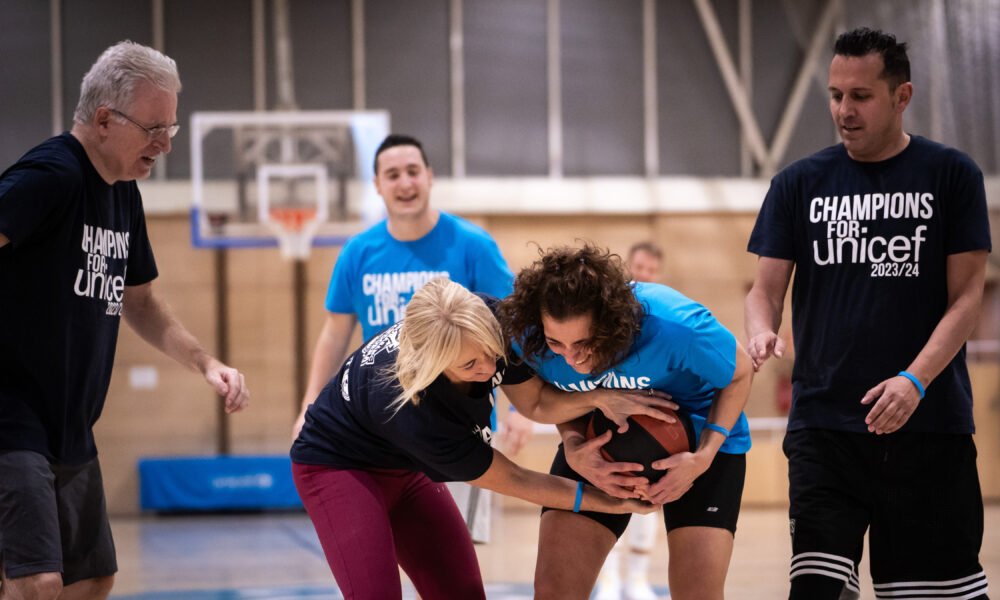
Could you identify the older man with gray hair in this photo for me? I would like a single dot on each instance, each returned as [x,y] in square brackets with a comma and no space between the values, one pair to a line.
[73,254]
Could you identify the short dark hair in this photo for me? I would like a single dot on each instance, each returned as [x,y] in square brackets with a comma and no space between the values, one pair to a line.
[569,282]
[864,41]
[647,247]
[398,139]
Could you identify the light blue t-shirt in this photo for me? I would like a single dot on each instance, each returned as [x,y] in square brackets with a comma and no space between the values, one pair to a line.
[376,274]
[681,349]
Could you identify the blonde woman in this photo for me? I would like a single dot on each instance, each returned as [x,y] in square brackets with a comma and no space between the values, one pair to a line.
[411,409]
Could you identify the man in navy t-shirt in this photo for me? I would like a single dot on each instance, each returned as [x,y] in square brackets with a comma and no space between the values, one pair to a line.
[74,259]
[888,235]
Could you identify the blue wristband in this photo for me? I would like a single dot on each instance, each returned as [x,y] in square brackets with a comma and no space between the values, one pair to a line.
[718,429]
[915,381]
[579,496]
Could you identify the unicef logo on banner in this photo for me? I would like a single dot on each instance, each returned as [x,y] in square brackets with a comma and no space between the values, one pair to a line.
[259,481]
[217,483]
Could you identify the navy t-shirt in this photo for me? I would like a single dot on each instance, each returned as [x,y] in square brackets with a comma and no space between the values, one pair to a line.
[447,436]
[870,242]
[75,243]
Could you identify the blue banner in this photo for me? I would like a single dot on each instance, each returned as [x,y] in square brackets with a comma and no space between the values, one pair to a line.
[217,483]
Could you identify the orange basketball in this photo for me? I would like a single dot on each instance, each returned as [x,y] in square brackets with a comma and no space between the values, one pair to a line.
[646,441]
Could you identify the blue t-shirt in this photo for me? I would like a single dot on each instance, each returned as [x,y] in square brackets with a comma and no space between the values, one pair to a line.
[75,244]
[681,349]
[376,274]
[870,243]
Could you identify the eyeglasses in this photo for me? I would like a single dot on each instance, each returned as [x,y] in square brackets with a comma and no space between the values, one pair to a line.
[152,132]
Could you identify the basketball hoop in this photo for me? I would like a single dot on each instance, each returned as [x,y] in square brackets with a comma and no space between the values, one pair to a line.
[293,218]
[295,227]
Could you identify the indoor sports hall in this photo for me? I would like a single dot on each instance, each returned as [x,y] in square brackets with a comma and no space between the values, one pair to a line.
[546,123]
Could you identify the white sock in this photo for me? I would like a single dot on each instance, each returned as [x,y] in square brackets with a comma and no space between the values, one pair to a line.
[642,531]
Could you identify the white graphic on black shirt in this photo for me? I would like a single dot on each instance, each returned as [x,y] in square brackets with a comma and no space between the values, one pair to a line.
[498,376]
[388,341]
[389,291]
[485,432]
[345,390]
[848,239]
[95,281]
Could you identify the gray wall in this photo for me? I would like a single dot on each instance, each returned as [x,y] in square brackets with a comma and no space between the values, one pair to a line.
[25,69]
[507,120]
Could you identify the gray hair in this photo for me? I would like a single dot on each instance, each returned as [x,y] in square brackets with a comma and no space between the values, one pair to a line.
[112,80]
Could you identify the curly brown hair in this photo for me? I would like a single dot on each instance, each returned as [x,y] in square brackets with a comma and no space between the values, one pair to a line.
[566,282]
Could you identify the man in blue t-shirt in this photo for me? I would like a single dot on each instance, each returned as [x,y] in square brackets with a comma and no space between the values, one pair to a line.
[379,270]
[74,259]
[888,235]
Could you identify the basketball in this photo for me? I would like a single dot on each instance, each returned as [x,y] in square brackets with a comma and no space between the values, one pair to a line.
[646,441]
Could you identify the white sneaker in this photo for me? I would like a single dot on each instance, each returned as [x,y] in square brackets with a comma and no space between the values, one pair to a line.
[608,590]
[639,589]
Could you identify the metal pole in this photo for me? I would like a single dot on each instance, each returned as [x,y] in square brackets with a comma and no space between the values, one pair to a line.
[746,76]
[299,341]
[56,74]
[283,56]
[456,48]
[555,90]
[221,258]
[737,94]
[650,98]
[358,53]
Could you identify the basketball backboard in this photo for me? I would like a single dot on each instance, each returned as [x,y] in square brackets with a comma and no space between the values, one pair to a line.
[292,179]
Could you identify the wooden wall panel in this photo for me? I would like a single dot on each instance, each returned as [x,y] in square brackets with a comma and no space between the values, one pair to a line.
[986,404]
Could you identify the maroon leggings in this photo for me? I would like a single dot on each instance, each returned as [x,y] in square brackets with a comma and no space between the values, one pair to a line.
[371,522]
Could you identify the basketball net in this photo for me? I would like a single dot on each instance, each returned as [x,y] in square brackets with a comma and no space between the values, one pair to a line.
[295,227]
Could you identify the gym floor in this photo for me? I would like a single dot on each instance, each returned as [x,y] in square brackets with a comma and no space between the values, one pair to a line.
[277,556]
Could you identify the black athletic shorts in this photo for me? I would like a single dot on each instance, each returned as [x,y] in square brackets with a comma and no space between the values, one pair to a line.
[713,500]
[53,519]
[917,495]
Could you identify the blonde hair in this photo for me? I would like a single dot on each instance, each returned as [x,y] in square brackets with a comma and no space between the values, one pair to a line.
[112,80]
[438,317]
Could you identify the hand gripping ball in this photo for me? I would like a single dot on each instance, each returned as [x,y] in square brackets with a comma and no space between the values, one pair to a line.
[646,441]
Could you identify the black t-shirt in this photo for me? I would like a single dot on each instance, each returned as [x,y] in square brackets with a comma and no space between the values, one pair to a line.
[870,242]
[447,436]
[75,243]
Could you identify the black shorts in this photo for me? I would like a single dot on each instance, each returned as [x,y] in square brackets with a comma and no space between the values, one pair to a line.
[918,496]
[713,500]
[53,519]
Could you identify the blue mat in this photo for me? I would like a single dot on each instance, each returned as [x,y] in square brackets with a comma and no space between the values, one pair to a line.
[215,483]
